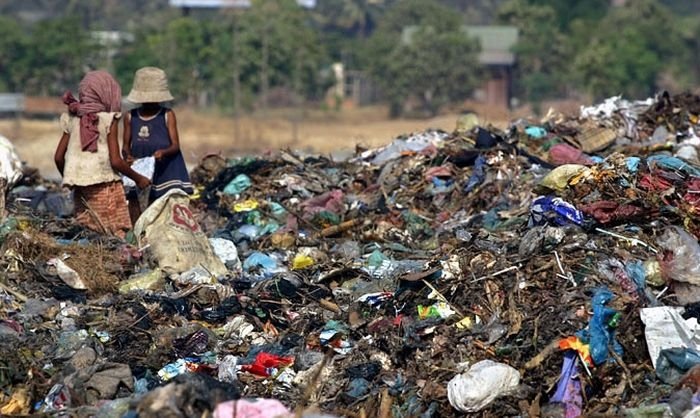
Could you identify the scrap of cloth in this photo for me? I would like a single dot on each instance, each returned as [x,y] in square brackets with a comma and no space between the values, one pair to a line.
[102,207]
[97,92]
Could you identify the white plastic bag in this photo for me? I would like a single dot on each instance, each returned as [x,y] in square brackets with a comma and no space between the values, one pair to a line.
[65,273]
[10,163]
[683,266]
[485,381]
[227,253]
[664,327]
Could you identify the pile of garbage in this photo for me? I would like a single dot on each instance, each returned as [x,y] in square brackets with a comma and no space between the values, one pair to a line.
[550,269]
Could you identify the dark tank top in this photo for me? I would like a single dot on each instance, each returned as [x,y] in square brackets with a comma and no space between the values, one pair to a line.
[150,135]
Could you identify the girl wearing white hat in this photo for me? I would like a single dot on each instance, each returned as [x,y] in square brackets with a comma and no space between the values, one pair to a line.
[151,130]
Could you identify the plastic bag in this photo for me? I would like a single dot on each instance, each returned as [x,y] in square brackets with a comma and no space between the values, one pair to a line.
[682,254]
[149,280]
[536,132]
[478,175]
[10,163]
[601,328]
[65,273]
[665,328]
[227,253]
[673,363]
[252,408]
[238,185]
[485,381]
[553,211]
[568,390]
[174,236]
[558,179]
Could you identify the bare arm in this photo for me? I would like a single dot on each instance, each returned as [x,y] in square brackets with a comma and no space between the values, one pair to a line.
[174,147]
[126,138]
[60,155]
[118,164]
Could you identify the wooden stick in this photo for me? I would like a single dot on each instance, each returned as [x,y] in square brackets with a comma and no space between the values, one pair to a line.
[330,306]
[342,227]
[15,293]
[94,215]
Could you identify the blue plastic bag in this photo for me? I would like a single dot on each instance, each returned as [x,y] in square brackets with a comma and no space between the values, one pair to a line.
[478,175]
[673,164]
[632,164]
[601,328]
[673,363]
[238,185]
[536,132]
[260,260]
[553,211]
[635,270]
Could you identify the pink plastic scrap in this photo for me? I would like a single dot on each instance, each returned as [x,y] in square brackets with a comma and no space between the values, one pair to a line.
[252,408]
[561,154]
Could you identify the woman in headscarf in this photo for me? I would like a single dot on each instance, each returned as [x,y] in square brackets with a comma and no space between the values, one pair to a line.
[88,155]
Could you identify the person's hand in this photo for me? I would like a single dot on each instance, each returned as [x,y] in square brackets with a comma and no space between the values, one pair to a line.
[158,155]
[142,182]
[129,159]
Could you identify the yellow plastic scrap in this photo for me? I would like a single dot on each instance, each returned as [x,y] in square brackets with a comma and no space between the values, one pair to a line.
[582,176]
[652,271]
[18,403]
[558,179]
[302,261]
[465,323]
[246,206]
[24,224]
[152,280]
[197,193]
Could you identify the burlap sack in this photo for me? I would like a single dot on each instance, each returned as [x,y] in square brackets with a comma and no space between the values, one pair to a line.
[175,238]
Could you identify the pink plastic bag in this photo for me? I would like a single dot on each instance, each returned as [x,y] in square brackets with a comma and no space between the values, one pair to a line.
[252,408]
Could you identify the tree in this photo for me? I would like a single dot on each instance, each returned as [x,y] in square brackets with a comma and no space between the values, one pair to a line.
[631,49]
[420,52]
[13,57]
[543,50]
[434,67]
[181,48]
[406,13]
[59,52]
[283,49]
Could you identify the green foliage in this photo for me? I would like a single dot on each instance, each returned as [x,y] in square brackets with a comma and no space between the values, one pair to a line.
[58,53]
[565,46]
[13,57]
[435,65]
[405,13]
[631,48]
[198,54]
[543,50]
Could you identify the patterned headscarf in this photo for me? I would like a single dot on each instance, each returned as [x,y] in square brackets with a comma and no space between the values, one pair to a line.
[98,92]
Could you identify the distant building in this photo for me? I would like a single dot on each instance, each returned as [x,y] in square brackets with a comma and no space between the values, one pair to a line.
[497,57]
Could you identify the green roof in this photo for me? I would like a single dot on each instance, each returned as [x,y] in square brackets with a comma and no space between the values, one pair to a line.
[497,42]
